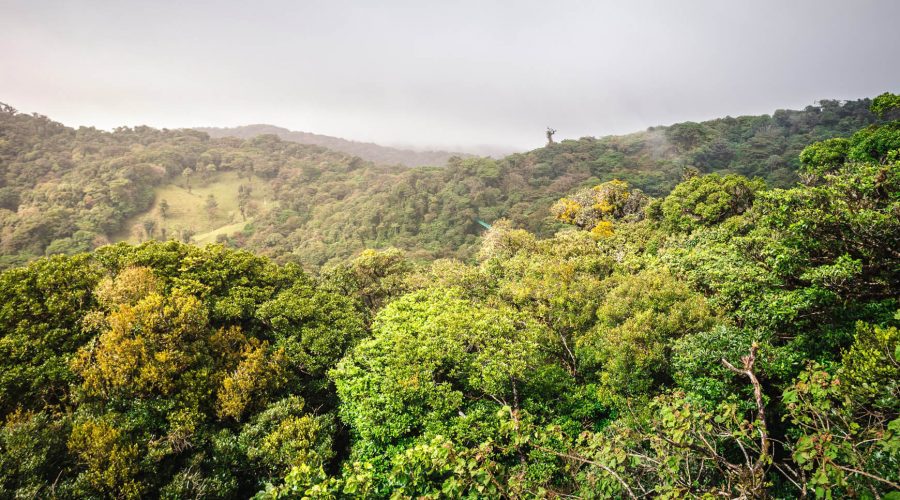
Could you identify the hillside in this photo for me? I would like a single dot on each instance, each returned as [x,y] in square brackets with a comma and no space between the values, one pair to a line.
[432,212]
[67,190]
[726,340]
[366,150]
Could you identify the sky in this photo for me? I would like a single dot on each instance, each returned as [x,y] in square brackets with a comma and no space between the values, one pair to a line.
[448,74]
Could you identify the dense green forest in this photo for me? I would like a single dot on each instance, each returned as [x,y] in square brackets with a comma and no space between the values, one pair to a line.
[717,317]
[65,190]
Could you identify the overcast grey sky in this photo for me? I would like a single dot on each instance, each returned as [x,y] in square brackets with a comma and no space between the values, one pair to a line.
[439,73]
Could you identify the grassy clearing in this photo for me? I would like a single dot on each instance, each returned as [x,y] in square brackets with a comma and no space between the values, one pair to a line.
[210,236]
[188,213]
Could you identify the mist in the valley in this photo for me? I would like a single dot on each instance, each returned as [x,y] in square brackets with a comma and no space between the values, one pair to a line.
[482,77]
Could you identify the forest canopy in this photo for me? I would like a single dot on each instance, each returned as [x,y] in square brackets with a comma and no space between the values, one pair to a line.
[734,336]
[65,190]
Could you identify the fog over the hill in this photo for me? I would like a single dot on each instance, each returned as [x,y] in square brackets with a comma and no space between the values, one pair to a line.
[451,75]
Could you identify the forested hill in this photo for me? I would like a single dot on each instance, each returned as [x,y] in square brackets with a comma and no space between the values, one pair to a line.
[432,212]
[64,190]
[366,150]
[726,340]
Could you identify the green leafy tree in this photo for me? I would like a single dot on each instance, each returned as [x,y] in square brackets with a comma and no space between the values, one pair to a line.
[374,277]
[637,323]
[314,328]
[164,208]
[596,209]
[847,423]
[707,200]
[41,309]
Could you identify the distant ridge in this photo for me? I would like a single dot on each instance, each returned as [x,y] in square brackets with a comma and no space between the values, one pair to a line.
[383,155]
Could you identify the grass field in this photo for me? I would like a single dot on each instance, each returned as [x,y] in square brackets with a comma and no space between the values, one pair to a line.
[187,210]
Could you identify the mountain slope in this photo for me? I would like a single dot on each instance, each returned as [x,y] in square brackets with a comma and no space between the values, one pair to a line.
[65,190]
[433,212]
[366,150]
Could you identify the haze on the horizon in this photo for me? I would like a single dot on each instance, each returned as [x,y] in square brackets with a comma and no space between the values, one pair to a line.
[453,75]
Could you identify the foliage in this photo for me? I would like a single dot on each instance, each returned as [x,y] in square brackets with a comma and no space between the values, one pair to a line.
[630,346]
[597,208]
[65,190]
[429,349]
[708,200]
[847,424]
[42,307]
[138,371]
[724,340]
